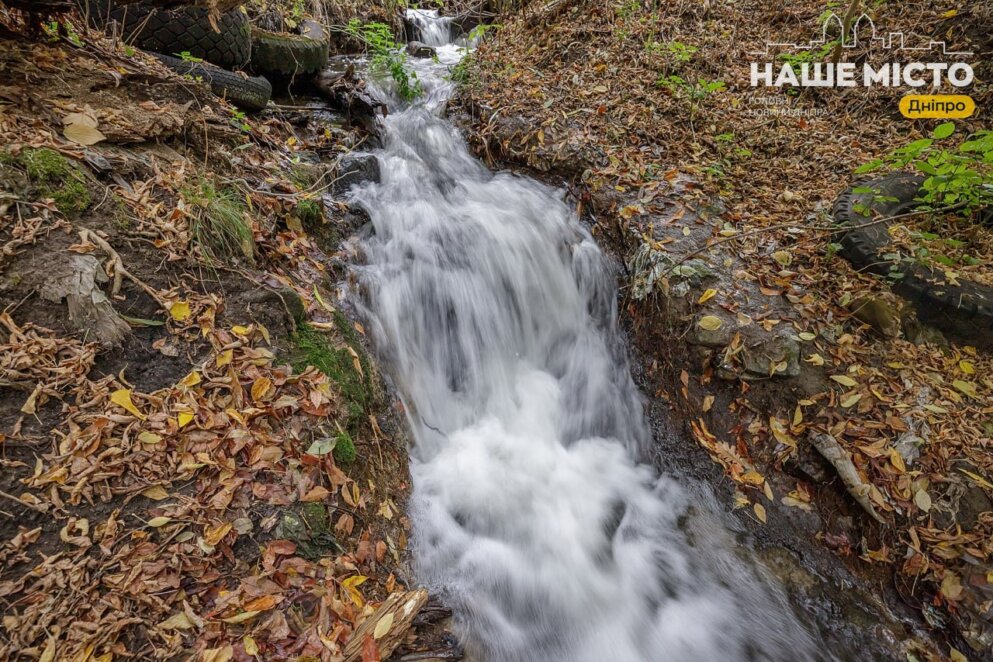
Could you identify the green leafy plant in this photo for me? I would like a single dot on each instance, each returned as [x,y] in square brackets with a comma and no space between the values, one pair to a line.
[186,56]
[959,177]
[388,56]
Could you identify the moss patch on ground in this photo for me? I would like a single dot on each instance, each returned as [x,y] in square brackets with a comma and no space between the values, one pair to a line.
[51,175]
[351,373]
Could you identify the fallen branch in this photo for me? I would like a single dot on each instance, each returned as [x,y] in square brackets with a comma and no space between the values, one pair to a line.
[842,462]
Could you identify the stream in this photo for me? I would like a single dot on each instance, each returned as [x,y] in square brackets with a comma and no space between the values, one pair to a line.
[494,312]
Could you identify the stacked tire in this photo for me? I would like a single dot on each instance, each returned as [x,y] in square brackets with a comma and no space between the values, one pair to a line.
[188,42]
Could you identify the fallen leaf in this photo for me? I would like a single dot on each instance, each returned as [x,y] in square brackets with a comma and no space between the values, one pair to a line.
[122,398]
[179,310]
[383,626]
[710,323]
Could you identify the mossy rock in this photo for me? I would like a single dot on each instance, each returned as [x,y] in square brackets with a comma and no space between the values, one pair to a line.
[50,175]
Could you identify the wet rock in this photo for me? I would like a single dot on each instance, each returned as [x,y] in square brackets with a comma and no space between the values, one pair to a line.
[919,333]
[878,313]
[779,356]
[357,169]
[420,49]
[710,337]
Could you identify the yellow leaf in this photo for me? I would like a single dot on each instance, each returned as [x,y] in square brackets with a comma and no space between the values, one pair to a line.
[759,511]
[797,416]
[122,398]
[955,655]
[807,335]
[149,438]
[708,402]
[707,296]
[178,621]
[897,460]
[225,357]
[844,380]
[184,418]
[242,617]
[383,626]
[979,480]
[710,323]
[156,522]
[967,367]
[353,581]
[48,655]
[179,310]
[155,493]
[216,535]
[815,359]
[191,380]
[251,647]
[240,330]
[851,400]
[260,387]
[965,387]
[951,13]
[222,654]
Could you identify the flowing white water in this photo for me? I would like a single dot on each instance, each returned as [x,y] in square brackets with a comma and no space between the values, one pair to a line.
[495,313]
[433,30]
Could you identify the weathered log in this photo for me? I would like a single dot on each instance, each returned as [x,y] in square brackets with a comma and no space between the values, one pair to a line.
[345,91]
[386,628]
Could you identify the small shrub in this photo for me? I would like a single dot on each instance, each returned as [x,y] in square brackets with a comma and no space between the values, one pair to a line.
[957,177]
[388,56]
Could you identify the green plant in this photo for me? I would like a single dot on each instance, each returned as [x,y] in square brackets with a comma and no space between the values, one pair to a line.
[807,57]
[186,56]
[218,223]
[55,30]
[959,178]
[240,121]
[388,56]
[676,51]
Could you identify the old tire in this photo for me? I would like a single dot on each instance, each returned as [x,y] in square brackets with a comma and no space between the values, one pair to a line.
[248,93]
[964,310]
[285,55]
[186,29]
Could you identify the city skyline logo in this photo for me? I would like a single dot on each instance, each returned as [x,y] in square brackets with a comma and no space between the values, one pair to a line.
[788,64]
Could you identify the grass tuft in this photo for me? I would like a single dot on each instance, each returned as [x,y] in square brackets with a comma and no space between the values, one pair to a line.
[219,228]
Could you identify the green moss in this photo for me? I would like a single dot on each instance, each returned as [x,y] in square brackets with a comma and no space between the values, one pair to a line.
[310,212]
[344,449]
[312,348]
[54,176]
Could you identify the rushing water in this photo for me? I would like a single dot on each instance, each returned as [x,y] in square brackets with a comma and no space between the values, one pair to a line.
[494,311]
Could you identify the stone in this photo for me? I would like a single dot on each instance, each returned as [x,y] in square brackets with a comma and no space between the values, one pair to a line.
[356,169]
[878,313]
[715,338]
[420,49]
[919,333]
[778,356]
